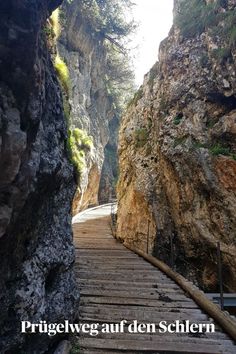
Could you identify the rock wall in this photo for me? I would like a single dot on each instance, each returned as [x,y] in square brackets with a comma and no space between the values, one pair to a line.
[36,182]
[177,152]
[92,108]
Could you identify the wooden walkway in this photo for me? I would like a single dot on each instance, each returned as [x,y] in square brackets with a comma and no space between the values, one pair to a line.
[116,284]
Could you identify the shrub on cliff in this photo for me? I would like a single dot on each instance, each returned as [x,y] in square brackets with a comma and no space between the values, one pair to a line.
[191,18]
[218,149]
[62,73]
[82,139]
[196,16]
[79,143]
[55,21]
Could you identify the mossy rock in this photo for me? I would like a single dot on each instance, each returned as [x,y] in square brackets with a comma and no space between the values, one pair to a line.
[141,137]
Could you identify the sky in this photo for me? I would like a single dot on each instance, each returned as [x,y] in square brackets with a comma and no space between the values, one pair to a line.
[155,20]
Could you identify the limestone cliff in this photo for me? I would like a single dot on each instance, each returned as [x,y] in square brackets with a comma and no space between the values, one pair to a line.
[91,106]
[36,182]
[177,147]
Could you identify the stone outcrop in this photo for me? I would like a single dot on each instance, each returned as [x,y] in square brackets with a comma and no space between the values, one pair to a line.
[36,182]
[177,152]
[92,108]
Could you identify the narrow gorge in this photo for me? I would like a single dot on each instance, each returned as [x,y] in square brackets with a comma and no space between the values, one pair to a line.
[75,135]
[91,106]
[60,107]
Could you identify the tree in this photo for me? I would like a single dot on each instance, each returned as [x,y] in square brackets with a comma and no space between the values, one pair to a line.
[108,19]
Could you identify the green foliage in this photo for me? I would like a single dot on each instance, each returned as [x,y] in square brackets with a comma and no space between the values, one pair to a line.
[216,149]
[108,18]
[180,141]
[62,73]
[82,139]
[221,54]
[232,36]
[210,123]
[199,145]
[119,77]
[219,149]
[196,16]
[48,31]
[67,109]
[106,21]
[141,137]
[192,17]
[78,144]
[107,24]
[55,21]
[75,349]
[177,120]
[204,60]
[137,96]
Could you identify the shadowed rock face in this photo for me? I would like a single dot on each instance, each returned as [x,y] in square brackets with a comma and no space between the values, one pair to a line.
[36,182]
[177,156]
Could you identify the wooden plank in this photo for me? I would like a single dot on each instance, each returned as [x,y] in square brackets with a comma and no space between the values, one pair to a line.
[110,259]
[150,275]
[216,336]
[117,283]
[145,346]
[139,315]
[102,274]
[226,321]
[111,307]
[129,301]
[112,277]
[179,338]
[110,254]
[140,295]
[101,351]
[128,283]
[108,287]
[110,268]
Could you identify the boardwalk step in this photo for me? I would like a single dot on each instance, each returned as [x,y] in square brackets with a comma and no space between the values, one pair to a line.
[121,283]
[134,301]
[159,346]
[117,284]
[164,289]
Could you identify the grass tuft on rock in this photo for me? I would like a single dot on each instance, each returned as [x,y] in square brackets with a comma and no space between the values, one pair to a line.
[55,21]
[141,137]
[218,149]
[79,143]
[178,118]
[62,73]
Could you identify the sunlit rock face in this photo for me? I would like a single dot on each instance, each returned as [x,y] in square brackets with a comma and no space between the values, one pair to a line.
[36,183]
[92,109]
[177,152]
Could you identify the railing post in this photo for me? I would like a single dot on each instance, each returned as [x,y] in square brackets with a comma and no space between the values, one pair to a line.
[219,262]
[171,250]
[148,232]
